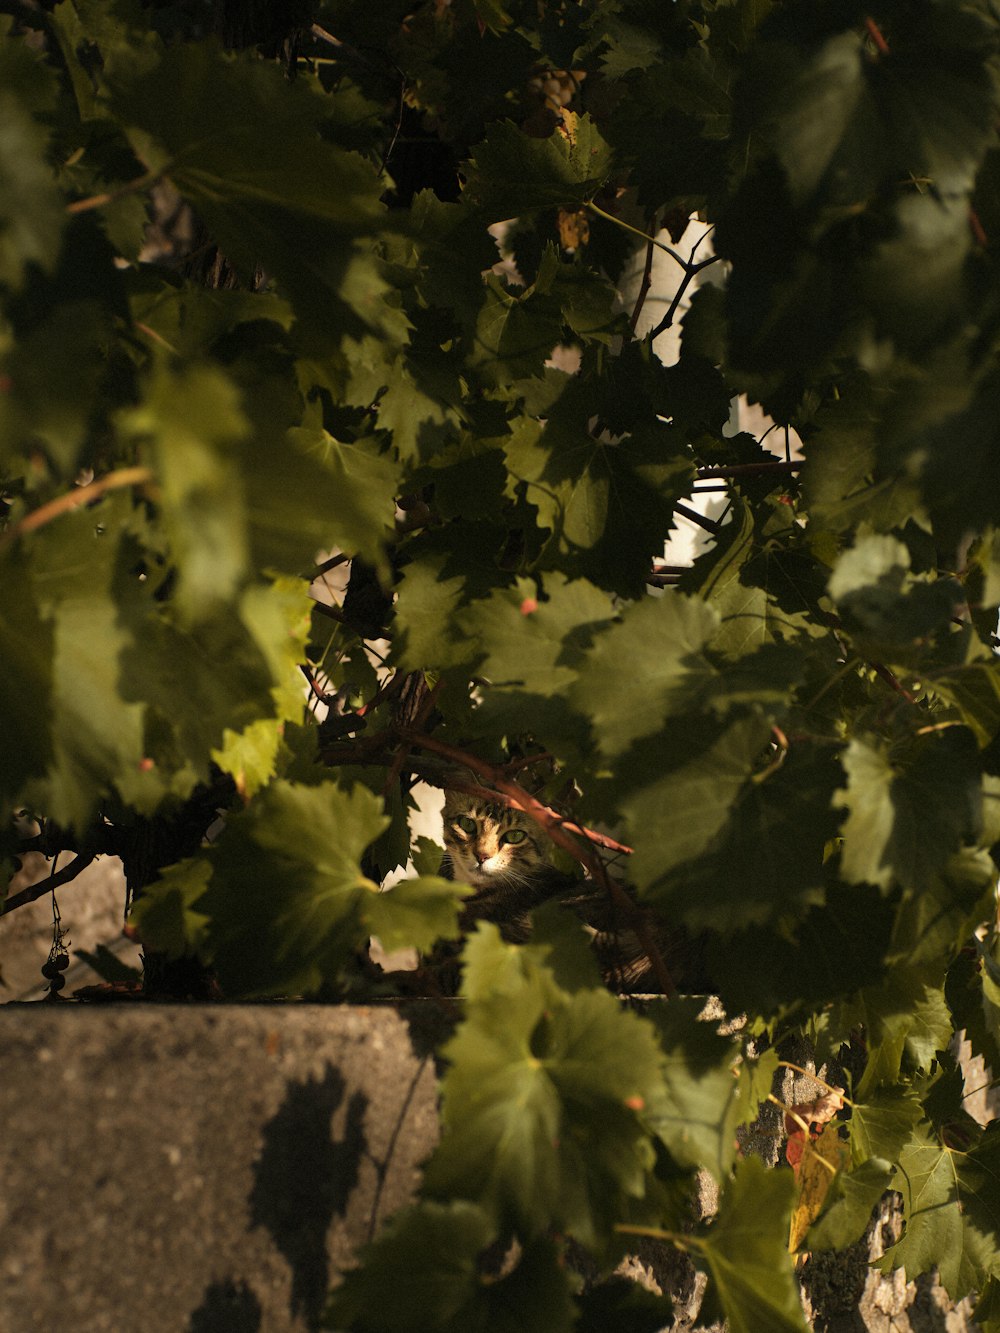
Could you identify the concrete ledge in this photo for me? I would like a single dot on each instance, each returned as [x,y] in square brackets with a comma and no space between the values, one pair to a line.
[198,1169]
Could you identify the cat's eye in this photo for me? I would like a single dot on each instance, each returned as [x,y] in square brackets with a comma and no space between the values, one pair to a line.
[514,835]
[466,824]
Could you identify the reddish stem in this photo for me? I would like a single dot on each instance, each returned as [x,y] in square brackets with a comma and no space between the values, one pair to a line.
[875,33]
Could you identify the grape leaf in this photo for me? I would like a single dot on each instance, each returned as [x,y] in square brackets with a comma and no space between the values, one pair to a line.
[773,841]
[165,916]
[846,124]
[884,610]
[667,672]
[908,813]
[848,1207]
[361,486]
[542,1104]
[675,817]
[26,680]
[191,424]
[422,1274]
[97,735]
[746,1252]
[31,211]
[415,912]
[204,118]
[882,1124]
[512,173]
[286,892]
[700,1106]
[952,1213]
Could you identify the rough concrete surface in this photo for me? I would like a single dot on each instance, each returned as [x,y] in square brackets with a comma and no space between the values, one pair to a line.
[198,1169]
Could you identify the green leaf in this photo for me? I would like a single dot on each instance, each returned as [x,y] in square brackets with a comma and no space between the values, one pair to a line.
[532,648]
[286,895]
[974,690]
[882,1124]
[415,912]
[849,1203]
[32,216]
[422,1276]
[675,817]
[663,640]
[908,812]
[515,334]
[166,916]
[512,173]
[243,147]
[848,123]
[361,484]
[746,1252]
[885,611]
[428,599]
[192,424]
[773,845]
[701,1104]
[97,734]
[763,595]
[905,1015]
[26,643]
[952,1220]
[542,1104]
[53,374]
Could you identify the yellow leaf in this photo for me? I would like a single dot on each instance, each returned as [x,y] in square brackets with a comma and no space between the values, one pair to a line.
[821,1159]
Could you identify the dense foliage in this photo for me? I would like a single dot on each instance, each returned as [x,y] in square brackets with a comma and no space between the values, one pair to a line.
[800,742]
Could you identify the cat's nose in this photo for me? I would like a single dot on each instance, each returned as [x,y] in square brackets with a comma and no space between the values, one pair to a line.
[481,856]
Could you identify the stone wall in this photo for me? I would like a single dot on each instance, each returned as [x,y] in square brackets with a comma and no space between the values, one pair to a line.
[198,1169]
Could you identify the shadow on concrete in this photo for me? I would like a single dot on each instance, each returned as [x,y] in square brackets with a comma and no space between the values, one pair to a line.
[227,1308]
[303,1179]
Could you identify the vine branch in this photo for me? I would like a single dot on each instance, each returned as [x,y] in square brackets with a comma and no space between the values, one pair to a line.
[110,196]
[59,877]
[647,273]
[81,495]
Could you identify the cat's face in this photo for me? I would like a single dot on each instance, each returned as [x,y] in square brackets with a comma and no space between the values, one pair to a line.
[490,845]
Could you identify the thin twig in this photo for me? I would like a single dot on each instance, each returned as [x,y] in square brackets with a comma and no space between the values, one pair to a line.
[646,283]
[690,270]
[797,1069]
[885,674]
[418,722]
[519,796]
[656,580]
[708,524]
[109,197]
[625,226]
[331,612]
[332,563]
[35,891]
[80,495]
[875,33]
[313,687]
[399,122]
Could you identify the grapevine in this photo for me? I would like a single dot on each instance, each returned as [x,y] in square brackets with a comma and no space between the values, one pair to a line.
[359,474]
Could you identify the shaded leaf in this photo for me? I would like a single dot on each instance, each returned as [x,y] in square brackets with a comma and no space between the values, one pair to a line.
[746,1252]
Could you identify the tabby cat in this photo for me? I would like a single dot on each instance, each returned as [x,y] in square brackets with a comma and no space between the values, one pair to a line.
[505,856]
